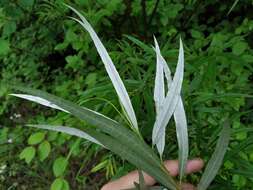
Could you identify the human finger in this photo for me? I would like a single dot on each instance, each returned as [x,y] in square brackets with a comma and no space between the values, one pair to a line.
[192,166]
[128,180]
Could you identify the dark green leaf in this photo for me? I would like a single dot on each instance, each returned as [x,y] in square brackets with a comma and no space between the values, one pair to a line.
[215,162]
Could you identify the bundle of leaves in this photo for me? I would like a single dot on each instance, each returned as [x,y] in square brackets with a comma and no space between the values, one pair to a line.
[60,59]
[125,138]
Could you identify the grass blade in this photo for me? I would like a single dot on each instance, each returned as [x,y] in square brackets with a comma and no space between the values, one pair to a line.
[233,6]
[217,157]
[68,130]
[110,68]
[47,103]
[140,44]
[39,100]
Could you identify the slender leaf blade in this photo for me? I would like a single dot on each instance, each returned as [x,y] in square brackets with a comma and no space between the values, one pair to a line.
[159,93]
[182,137]
[39,100]
[140,44]
[215,162]
[232,7]
[47,103]
[110,68]
[68,130]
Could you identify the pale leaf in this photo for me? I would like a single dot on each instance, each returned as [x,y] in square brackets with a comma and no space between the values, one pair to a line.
[110,68]
[68,130]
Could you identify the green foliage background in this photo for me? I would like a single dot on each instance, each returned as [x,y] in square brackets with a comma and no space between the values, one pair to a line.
[41,47]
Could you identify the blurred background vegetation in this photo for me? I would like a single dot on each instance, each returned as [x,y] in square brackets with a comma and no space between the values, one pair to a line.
[42,48]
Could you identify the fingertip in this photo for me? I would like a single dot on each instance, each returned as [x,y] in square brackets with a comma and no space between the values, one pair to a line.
[127,181]
[104,187]
[194,165]
[188,186]
[172,167]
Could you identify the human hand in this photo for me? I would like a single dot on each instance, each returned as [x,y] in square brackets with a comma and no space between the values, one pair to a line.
[128,180]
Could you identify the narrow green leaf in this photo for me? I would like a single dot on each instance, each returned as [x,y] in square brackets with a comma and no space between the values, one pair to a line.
[68,130]
[99,166]
[232,7]
[140,44]
[110,68]
[215,162]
